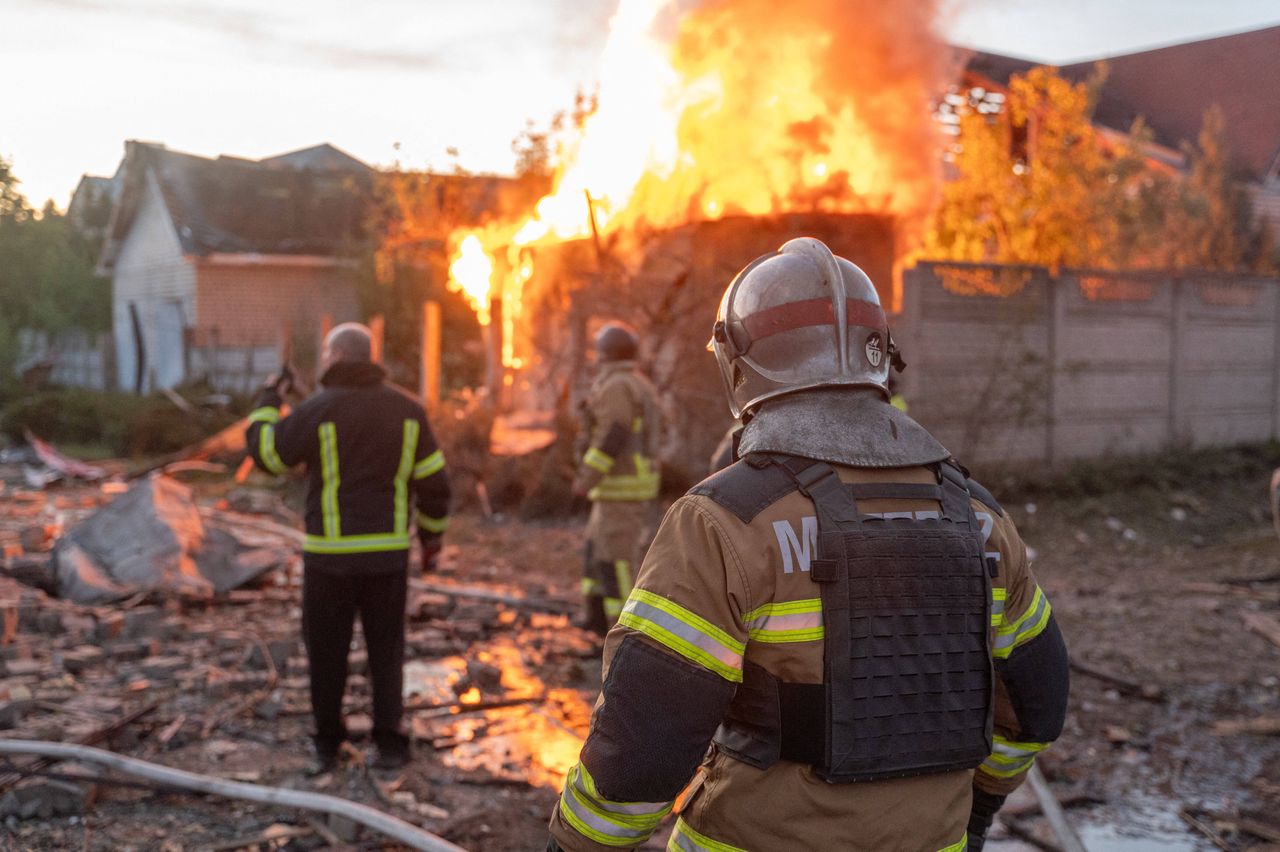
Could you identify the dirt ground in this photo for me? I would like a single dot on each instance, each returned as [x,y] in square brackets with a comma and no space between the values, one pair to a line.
[1150,580]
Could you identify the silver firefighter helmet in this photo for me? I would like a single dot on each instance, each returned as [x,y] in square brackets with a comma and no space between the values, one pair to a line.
[796,319]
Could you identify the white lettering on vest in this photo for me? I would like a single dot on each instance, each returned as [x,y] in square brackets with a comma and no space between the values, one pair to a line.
[803,546]
[988,524]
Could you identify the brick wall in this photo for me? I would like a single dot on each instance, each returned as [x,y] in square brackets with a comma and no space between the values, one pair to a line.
[249,303]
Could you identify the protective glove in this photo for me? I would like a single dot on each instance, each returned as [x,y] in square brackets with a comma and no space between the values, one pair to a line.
[981,815]
[431,544]
[281,382]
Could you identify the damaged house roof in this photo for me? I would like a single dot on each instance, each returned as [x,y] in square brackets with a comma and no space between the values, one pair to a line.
[309,202]
[1172,87]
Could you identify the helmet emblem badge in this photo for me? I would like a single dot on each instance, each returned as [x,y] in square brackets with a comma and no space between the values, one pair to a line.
[875,349]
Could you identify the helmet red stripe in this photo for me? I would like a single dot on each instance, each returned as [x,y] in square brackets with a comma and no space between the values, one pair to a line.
[812,312]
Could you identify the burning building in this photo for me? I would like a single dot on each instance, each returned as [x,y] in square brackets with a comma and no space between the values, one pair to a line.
[721,129]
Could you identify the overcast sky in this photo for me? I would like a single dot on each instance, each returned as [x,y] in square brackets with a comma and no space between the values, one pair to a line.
[400,80]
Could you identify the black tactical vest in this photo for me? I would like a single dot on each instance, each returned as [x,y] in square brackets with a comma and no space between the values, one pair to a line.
[906,603]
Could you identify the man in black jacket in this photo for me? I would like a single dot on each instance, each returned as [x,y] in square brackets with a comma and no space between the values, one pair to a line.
[374,476]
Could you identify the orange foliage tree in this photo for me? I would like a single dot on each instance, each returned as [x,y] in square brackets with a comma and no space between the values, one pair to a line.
[1037,182]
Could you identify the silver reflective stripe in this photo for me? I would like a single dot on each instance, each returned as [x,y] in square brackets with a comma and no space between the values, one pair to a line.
[1027,627]
[688,639]
[584,783]
[792,621]
[597,827]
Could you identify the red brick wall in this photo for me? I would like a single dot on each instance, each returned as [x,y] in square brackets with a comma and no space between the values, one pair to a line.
[248,304]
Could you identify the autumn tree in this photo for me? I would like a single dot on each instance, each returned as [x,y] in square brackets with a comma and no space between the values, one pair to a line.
[1036,182]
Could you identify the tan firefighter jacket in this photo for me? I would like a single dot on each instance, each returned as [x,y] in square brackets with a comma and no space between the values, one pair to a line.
[624,423]
[715,592]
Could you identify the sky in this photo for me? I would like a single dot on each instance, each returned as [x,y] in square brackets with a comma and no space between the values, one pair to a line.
[421,83]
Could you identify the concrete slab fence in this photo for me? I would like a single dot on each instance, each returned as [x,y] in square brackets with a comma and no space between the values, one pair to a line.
[1013,365]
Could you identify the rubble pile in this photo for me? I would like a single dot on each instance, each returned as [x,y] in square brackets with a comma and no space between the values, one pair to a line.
[175,667]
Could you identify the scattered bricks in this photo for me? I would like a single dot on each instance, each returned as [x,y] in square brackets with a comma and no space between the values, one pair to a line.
[429,643]
[297,667]
[162,669]
[25,668]
[485,613]
[79,626]
[81,657]
[127,650]
[8,622]
[45,798]
[143,622]
[433,605]
[110,626]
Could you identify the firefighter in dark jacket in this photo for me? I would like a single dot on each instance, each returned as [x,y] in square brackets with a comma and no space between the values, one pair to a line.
[843,616]
[375,477]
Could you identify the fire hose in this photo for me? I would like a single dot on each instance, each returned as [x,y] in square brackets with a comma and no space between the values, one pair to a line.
[373,818]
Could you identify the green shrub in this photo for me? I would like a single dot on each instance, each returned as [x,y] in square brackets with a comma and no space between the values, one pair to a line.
[122,424]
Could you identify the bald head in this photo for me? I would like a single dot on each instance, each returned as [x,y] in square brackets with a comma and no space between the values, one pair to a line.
[350,342]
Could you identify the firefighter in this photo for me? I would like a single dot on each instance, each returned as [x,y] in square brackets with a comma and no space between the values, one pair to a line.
[618,473]
[374,477]
[843,616]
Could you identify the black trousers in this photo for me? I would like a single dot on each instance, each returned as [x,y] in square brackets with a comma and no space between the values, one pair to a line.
[334,590]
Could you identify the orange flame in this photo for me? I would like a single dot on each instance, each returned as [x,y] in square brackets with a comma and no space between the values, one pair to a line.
[739,107]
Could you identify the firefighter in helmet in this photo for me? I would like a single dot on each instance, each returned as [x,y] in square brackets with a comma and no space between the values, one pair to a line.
[843,616]
[618,473]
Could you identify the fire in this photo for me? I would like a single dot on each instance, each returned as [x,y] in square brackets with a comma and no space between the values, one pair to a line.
[471,272]
[734,107]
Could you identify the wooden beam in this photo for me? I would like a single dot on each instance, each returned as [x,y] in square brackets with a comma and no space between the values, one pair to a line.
[430,368]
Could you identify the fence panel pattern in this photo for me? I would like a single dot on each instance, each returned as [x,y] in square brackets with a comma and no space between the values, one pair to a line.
[1010,365]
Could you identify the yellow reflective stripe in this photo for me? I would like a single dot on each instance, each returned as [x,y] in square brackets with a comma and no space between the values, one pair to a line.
[635,813]
[267,450]
[959,846]
[636,487]
[609,823]
[1025,627]
[637,425]
[370,543]
[786,621]
[685,632]
[433,463]
[1009,758]
[330,479]
[265,414]
[685,839]
[599,460]
[622,572]
[432,525]
[998,597]
[408,446]
[590,587]
[613,608]
[899,402]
